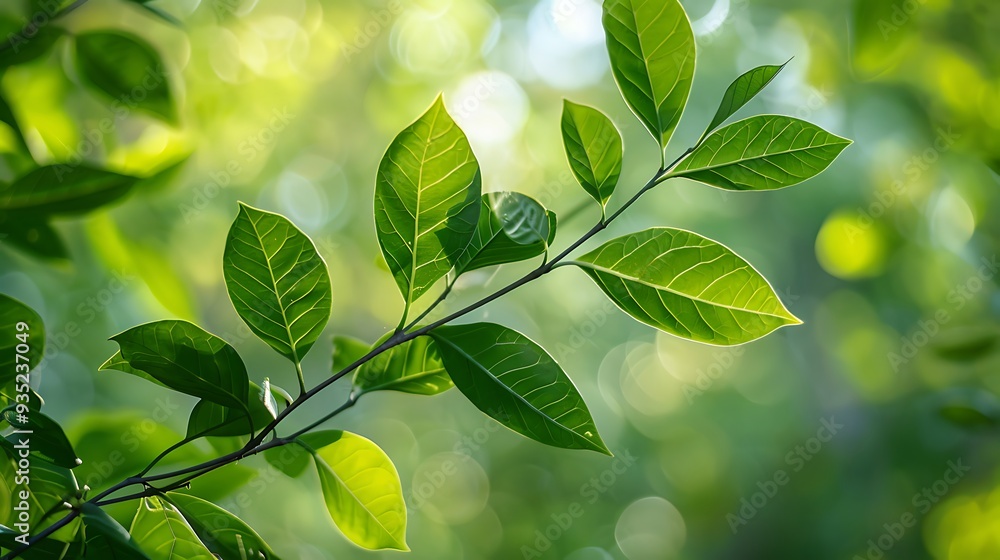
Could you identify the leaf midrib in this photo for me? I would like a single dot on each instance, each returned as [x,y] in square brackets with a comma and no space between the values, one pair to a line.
[489,374]
[682,172]
[585,264]
[274,284]
[354,496]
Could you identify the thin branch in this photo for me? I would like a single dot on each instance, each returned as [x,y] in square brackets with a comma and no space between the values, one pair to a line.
[255,445]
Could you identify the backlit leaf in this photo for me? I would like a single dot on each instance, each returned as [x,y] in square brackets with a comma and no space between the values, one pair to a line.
[361,489]
[50,486]
[741,91]
[761,153]
[278,282]
[347,350]
[412,367]
[163,533]
[594,149]
[686,285]
[46,549]
[426,201]
[220,531]
[513,380]
[652,52]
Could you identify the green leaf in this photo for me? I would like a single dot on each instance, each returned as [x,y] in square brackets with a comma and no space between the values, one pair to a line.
[412,367]
[127,69]
[163,533]
[7,117]
[594,149]
[50,487]
[26,49]
[119,363]
[347,350]
[361,489]
[46,437]
[9,396]
[13,313]
[158,12]
[185,358]
[513,380]
[33,235]
[761,153]
[63,189]
[512,227]
[106,539]
[686,285]
[292,460]
[46,549]
[277,281]
[652,52]
[216,420]
[741,91]
[426,201]
[221,532]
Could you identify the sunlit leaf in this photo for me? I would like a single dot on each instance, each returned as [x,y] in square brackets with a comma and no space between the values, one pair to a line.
[128,70]
[686,285]
[512,227]
[361,489]
[412,367]
[277,281]
[594,149]
[426,200]
[106,539]
[652,52]
[63,189]
[9,395]
[31,339]
[163,533]
[220,531]
[513,380]
[45,437]
[761,153]
[741,91]
[185,358]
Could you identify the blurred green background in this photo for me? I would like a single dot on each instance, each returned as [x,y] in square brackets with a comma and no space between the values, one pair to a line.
[890,258]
